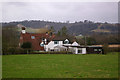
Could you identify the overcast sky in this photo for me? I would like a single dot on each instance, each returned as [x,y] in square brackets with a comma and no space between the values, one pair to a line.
[60,11]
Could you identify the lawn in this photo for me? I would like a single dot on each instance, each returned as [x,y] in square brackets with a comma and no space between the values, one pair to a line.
[60,66]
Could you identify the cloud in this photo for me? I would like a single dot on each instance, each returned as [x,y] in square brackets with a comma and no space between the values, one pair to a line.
[60,11]
[60,0]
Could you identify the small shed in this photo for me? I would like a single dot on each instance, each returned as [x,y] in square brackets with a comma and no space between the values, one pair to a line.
[94,50]
[85,49]
[76,49]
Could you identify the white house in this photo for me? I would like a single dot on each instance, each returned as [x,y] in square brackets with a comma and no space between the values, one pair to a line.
[56,44]
[50,42]
[65,45]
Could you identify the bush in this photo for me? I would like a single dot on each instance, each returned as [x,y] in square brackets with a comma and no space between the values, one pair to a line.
[26,45]
[11,50]
[61,52]
[20,51]
[23,51]
[14,51]
[116,49]
[105,48]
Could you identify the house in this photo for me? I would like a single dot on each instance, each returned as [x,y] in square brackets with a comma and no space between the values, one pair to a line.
[50,42]
[36,39]
[57,44]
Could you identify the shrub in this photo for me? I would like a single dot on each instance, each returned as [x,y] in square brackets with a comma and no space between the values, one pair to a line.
[11,50]
[61,52]
[105,48]
[27,46]
[112,49]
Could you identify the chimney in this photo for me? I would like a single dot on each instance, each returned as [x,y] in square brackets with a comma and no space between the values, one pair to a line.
[51,33]
[45,41]
[23,30]
[46,33]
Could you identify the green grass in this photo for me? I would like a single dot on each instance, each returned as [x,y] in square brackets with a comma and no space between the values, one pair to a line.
[60,66]
[0,66]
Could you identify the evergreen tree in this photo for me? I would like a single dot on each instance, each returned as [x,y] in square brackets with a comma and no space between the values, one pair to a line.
[26,46]
[63,31]
[52,29]
[58,33]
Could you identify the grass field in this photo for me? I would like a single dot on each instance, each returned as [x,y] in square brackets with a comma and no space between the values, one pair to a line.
[60,66]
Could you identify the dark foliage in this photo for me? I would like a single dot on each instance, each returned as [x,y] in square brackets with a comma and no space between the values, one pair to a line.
[21,51]
[10,34]
[10,39]
[77,27]
[26,45]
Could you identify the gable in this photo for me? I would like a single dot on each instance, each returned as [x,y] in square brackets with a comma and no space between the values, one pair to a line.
[75,44]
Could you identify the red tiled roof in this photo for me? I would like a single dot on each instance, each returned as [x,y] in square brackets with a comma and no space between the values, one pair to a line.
[36,41]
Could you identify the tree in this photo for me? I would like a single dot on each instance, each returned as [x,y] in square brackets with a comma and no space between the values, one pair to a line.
[10,38]
[58,33]
[52,29]
[105,48]
[27,46]
[64,31]
[85,21]
[90,41]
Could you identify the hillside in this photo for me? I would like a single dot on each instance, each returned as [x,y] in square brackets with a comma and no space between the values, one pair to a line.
[32,30]
[76,28]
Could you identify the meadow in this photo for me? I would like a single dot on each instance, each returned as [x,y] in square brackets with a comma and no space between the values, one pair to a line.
[60,66]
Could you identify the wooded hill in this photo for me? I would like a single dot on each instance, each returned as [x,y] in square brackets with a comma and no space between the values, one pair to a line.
[82,27]
[92,33]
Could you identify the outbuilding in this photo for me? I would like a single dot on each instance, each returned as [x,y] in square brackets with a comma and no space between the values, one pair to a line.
[85,49]
[94,50]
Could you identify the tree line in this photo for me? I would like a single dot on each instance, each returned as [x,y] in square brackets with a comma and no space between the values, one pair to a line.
[83,27]
[11,36]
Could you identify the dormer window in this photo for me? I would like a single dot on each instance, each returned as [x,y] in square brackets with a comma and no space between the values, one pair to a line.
[66,41]
[56,42]
[41,44]
[32,37]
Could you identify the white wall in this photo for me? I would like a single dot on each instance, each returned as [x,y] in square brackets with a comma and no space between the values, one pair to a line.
[23,31]
[76,50]
[51,45]
[83,50]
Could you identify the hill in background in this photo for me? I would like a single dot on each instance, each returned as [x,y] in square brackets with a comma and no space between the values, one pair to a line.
[85,28]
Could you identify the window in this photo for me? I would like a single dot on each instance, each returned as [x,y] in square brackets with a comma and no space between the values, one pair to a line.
[56,42]
[52,50]
[66,42]
[95,49]
[32,37]
[79,51]
[100,49]
[41,44]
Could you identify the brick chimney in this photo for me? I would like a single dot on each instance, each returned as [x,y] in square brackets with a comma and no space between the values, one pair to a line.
[23,30]
[46,33]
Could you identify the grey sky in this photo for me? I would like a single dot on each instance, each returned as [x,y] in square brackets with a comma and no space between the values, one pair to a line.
[60,11]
